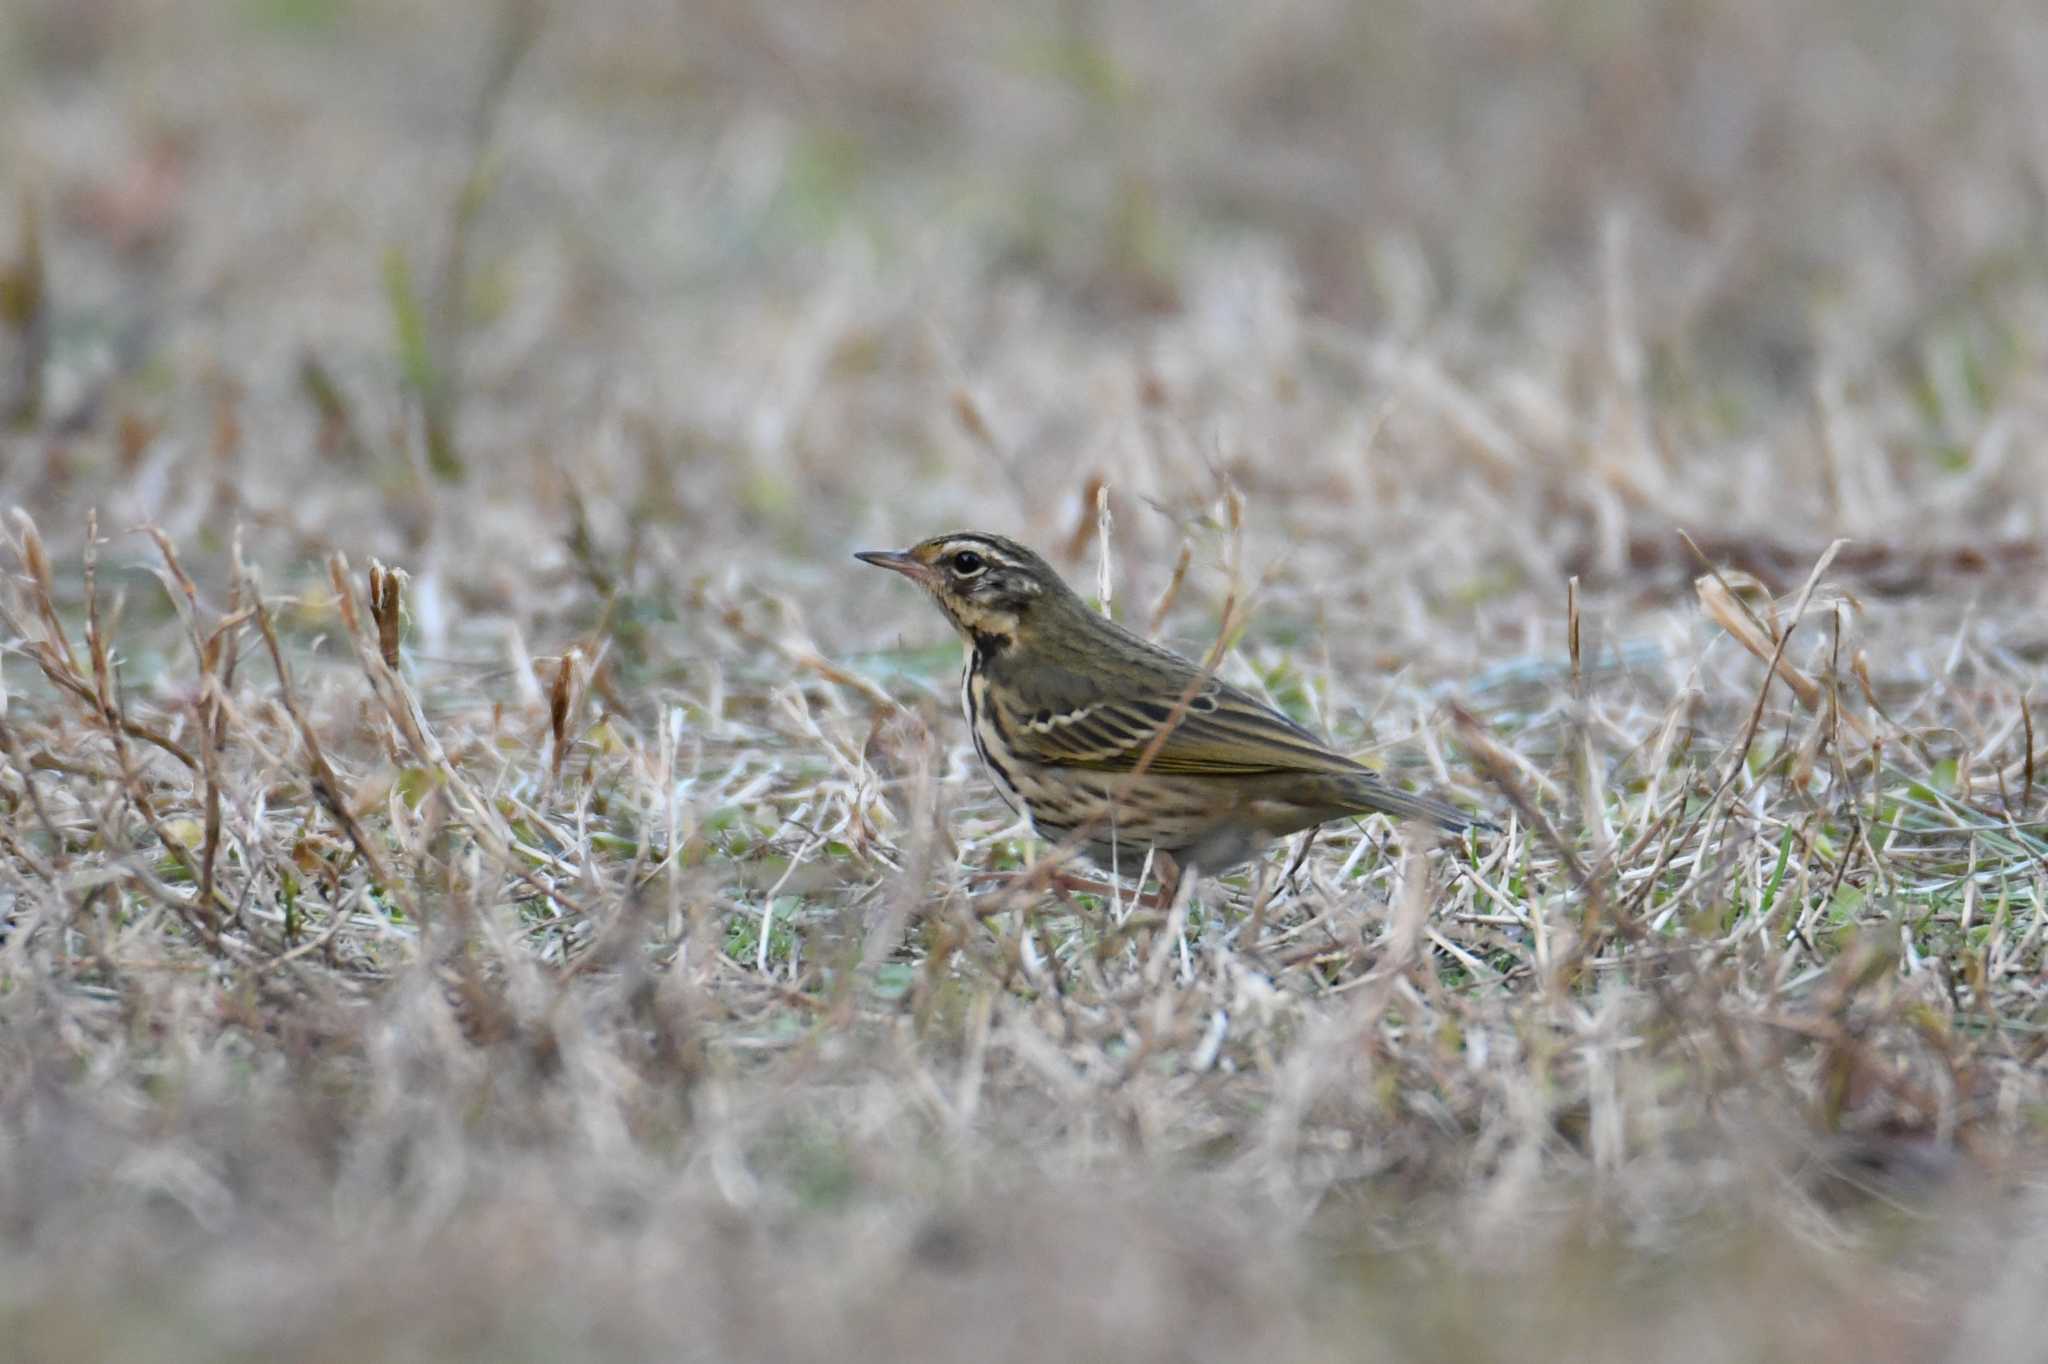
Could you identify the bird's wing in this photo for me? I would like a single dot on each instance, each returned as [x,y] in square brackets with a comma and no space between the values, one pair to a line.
[1064,719]
[1220,732]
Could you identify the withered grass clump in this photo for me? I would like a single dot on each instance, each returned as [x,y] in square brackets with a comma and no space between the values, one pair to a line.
[483,875]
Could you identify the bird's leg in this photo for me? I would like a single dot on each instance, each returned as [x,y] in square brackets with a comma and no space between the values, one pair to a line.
[1308,840]
[1169,873]
[1165,870]
[1060,879]
[1173,933]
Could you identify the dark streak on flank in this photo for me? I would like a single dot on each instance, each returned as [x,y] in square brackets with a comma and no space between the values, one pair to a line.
[1002,772]
[995,720]
[978,705]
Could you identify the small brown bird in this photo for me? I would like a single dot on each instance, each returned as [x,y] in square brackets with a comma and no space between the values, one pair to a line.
[1067,710]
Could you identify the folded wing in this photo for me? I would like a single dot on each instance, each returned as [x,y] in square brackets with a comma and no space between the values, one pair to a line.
[1220,732]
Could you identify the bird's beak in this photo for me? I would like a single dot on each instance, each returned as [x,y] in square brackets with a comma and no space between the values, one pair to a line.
[908,566]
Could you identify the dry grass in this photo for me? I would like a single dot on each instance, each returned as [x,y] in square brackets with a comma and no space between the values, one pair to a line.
[592,936]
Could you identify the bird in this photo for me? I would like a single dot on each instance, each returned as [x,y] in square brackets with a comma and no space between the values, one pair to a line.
[1106,739]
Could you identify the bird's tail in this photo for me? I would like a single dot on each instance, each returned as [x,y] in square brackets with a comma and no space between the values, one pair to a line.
[1367,793]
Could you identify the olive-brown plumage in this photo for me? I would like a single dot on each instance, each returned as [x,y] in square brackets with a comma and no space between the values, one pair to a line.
[1101,735]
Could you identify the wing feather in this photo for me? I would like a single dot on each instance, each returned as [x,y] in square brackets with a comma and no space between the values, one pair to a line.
[1223,732]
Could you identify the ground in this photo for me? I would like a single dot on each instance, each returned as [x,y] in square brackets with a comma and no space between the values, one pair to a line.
[484,874]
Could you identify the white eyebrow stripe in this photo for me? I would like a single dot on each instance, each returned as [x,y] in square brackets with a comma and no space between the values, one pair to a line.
[988,549]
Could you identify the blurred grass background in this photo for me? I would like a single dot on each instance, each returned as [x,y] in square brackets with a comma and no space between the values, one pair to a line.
[664,1009]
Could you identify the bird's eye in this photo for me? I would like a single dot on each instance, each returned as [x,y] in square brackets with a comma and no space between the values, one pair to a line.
[967,563]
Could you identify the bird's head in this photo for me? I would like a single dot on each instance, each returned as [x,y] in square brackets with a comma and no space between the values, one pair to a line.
[993,590]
